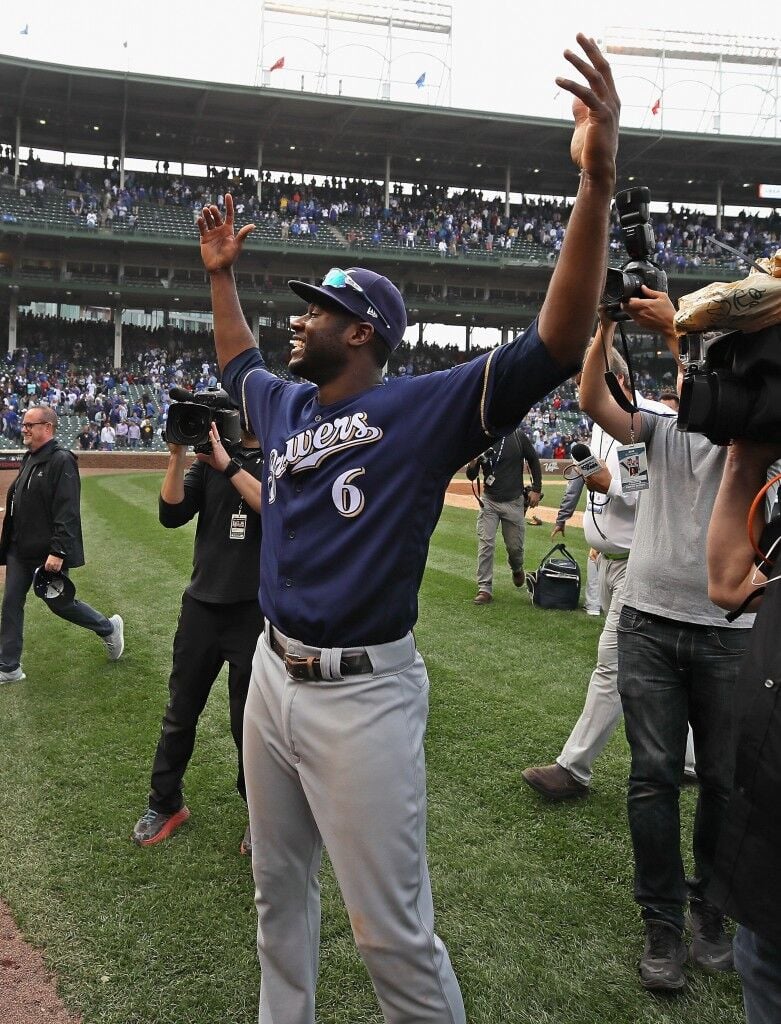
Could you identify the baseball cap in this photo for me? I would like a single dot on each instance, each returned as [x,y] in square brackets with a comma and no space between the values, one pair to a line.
[55,588]
[367,295]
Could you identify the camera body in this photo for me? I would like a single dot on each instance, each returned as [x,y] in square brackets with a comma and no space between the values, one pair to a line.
[633,206]
[732,385]
[190,419]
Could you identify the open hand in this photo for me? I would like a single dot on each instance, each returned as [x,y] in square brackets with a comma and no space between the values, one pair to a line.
[220,247]
[596,108]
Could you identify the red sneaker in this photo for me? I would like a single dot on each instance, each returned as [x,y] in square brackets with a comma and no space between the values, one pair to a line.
[155,826]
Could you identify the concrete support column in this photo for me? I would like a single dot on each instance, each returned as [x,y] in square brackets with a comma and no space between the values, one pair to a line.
[122,143]
[256,327]
[117,336]
[444,290]
[504,335]
[468,330]
[17,145]
[260,169]
[719,206]
[507,191]
[387,180]
[420,332]
[13,319]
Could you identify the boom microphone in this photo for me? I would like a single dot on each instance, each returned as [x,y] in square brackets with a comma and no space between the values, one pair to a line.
[587,464]
[216,398]
[180,395]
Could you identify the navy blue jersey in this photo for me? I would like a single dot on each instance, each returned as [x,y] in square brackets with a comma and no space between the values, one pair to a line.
[352,491]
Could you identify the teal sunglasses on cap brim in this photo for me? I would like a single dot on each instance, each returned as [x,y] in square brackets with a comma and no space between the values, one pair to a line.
[336,278]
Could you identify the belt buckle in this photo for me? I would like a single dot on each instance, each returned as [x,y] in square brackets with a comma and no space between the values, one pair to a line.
[302,668]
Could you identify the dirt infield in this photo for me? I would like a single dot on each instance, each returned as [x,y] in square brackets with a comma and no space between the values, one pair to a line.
[28,993]
[459,495]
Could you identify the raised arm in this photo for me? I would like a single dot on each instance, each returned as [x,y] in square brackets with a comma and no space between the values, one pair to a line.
[595,398]
[730,554]
[567,315]
[220,249]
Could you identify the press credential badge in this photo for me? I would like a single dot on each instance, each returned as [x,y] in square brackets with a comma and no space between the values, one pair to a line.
[633,466]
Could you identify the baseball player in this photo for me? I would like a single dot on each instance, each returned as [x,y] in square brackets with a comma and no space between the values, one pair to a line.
[336,713]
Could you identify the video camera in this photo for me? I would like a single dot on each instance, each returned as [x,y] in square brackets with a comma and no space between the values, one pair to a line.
[190,419]
[633,206]
[732,385]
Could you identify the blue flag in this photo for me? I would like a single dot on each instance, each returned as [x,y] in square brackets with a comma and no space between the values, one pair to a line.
[420,82]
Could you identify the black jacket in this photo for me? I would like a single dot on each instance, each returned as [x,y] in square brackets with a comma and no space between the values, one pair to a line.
[504,462]
[747,875]
[43,512]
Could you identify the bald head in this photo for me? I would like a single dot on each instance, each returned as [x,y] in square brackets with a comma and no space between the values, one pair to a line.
[47,414]
[39,426]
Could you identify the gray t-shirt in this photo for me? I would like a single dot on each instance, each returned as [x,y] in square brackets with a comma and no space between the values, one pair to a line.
[667,573]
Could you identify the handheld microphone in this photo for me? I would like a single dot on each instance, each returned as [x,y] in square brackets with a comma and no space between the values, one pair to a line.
[587,464]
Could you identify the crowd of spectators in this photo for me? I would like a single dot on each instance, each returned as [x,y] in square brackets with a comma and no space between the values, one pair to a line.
[68,365]
[459,223]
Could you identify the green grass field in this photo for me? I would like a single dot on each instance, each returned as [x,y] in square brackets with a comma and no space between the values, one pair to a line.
[533,901]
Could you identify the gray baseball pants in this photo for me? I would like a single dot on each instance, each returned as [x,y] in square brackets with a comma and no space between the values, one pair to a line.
[341,762]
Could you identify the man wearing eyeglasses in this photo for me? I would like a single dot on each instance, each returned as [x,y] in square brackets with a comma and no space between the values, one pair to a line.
[42,526]
[355,478]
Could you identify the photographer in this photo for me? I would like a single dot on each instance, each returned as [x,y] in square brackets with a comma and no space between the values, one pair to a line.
[504,501]
[747,874]
[220,620]
[608,527]
[677,664]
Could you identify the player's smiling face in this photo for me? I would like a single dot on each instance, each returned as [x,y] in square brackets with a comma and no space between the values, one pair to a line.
[318,347]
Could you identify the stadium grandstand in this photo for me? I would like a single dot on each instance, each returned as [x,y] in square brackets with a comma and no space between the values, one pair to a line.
[465,210]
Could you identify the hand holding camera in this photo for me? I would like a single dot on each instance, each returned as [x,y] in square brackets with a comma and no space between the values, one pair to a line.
[217,457]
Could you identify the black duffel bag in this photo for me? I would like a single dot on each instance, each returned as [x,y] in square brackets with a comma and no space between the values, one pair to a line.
[556,584]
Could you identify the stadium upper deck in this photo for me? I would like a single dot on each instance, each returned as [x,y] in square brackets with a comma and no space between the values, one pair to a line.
[115,115]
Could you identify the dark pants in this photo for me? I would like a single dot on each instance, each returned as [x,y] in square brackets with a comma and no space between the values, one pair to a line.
[758,962]
[671,674]
[208,635]
[18,580]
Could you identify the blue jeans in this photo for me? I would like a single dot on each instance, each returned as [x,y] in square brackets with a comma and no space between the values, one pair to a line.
[758,962]
[671,674]
[18,580]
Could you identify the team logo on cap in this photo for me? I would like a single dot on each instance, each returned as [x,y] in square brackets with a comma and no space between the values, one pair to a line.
[372,312]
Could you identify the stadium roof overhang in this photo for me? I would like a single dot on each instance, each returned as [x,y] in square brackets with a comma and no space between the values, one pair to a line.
[81,110]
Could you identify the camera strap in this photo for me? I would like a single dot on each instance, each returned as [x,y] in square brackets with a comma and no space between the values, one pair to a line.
[476,491]
[612,381]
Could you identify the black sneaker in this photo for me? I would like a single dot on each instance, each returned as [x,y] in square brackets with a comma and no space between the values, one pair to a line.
[711,947]
[661,965]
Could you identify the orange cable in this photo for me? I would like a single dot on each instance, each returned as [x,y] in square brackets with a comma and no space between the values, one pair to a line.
[753,511]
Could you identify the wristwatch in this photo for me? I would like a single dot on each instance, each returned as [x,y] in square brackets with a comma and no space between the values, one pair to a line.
[232,468]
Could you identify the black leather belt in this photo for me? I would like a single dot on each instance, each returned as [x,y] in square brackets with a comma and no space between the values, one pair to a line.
[306,668]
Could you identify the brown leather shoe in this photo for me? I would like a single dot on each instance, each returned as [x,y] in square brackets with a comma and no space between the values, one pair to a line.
[519,578]
[483,597]
[554,782]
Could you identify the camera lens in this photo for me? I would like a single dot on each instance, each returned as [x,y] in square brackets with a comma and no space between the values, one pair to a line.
[190,423]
